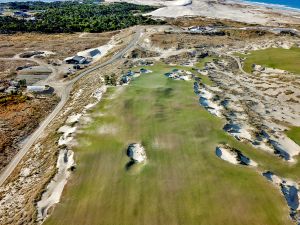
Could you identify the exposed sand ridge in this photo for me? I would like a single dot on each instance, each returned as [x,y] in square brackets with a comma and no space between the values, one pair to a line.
[226,9]
[65,161]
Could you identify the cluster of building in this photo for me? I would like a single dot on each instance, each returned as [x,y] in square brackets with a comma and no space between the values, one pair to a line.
[206,30]
[79,59]
[9,87]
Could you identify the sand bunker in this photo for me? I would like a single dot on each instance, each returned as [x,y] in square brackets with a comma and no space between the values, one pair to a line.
[51,196]
[99,92]
[233,156]
[136,152]
[290,191]
[73,118]
[65,161]
[246,115]
[180,75]
[66,132]
[207,99]
[284,147]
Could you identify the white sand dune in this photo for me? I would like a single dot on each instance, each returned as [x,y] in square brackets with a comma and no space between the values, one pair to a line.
[225,9]
[289,146]
[206,100]
[234,156]
[55,188]
[136,152]
[227,155]
[181,2]
[73,118]
[65,161]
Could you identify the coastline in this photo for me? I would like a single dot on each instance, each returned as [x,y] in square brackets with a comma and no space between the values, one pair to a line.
[268,5]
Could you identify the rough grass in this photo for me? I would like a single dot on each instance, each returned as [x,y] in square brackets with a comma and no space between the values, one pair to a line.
[201,63]
[183,181]
[279,58]
[294,134]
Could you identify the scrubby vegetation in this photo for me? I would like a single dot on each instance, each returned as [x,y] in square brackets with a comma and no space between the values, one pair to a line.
[62,17]
[111,80]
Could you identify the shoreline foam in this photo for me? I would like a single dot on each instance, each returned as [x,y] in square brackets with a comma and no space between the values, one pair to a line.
[270,5]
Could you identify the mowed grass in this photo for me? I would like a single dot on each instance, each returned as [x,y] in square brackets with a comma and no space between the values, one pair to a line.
[279,58]
[294,134]
[183,181]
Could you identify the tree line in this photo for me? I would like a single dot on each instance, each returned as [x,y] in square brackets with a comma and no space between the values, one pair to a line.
[66,17]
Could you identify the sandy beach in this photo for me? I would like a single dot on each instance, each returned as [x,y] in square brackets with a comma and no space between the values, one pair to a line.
[240,11]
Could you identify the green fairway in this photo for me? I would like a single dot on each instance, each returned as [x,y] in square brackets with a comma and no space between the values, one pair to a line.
[294,134]
[279,58]
[183,182]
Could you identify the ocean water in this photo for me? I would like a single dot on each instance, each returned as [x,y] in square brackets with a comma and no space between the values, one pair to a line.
[278,3]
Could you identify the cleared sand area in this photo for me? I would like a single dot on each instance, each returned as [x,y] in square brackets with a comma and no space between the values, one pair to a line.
[183,181]
[63,45]
[222,9]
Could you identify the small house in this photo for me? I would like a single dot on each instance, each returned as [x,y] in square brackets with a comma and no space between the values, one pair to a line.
[37,89]
[21,14]
[76,60]
[95,53]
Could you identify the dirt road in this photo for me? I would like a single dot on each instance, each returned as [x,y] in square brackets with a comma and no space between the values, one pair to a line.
[66,89]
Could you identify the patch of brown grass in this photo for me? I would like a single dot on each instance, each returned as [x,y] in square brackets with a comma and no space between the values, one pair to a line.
[62,44]
[19,118]
[8,68]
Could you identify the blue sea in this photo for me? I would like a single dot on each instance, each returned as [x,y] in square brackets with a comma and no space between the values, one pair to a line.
[294,4]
